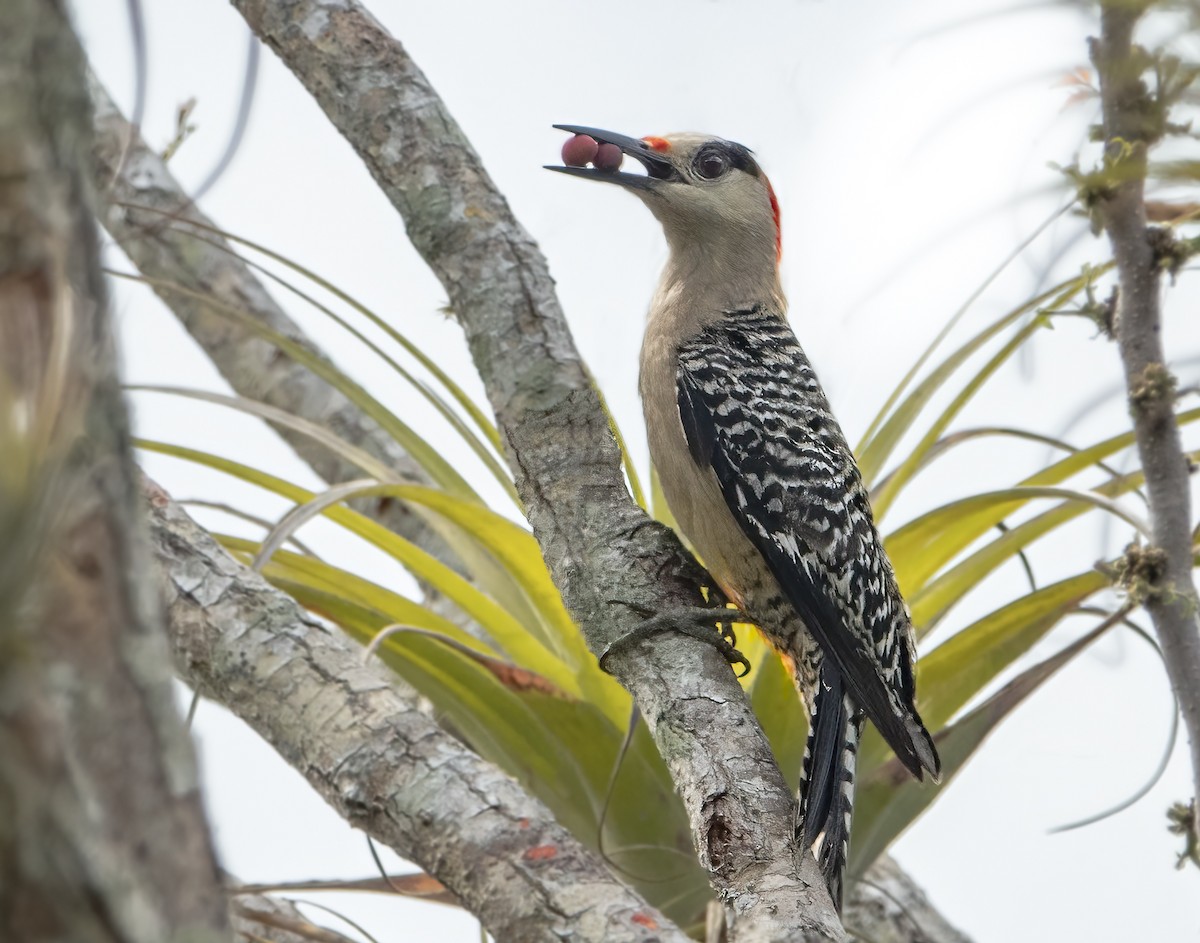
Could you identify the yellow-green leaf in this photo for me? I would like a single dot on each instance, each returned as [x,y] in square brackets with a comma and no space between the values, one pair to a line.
[882,498]
[877,446]
[959,668]
[924,545]
[425,455]
[519,644]
[889,800]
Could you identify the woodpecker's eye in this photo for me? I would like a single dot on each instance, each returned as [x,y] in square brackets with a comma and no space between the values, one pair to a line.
[711,164]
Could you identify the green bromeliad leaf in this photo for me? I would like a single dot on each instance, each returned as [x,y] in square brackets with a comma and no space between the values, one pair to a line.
[198,229]
[775,701]
[884,435]
[499,624]
[563,748]
[931,602]
[923,546]
[882,498]
[889,800]
[959,668]
[428,457]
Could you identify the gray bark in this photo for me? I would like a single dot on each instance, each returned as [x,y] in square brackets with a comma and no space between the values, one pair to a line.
[888,907]
[264,919]
[370,752]
[1159,576]
[102,833]
[391,771]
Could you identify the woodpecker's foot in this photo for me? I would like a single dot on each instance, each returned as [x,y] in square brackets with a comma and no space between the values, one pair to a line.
[705,623]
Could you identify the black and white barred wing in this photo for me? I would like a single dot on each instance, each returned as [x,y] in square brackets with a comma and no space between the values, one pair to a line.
[753,411]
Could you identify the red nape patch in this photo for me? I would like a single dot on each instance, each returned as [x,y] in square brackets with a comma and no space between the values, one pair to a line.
[775,213]
[662,145]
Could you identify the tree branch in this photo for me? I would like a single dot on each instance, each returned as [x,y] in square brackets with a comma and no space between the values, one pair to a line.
[608,559]
[147,212]
[886,906]
[102,831]
[1160,575]
[260,918]
[383,765]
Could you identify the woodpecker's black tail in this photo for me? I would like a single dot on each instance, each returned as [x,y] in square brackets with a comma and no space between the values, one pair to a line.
[827,778]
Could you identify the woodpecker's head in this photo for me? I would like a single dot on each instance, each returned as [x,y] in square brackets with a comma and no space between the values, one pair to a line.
[703,189]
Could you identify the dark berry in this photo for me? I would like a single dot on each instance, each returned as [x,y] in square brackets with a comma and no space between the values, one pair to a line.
[608,157]
[579,150]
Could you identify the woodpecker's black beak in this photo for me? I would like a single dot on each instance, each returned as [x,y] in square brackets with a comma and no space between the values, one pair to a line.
[658,166]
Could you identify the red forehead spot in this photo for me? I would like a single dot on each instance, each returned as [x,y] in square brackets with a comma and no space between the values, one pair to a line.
[775,214]
[662,145]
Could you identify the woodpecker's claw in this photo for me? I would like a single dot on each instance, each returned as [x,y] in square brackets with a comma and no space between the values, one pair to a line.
[708,624]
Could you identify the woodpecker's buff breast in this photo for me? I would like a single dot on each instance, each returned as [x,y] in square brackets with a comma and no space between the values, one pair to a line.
[757,471]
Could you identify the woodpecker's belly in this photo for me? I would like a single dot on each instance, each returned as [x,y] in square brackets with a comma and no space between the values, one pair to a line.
[695,499]
[692,492]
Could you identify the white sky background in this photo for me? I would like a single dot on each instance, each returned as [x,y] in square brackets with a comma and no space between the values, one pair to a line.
[906,159]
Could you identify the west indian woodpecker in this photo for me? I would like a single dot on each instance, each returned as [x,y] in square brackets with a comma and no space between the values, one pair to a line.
[756,470]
